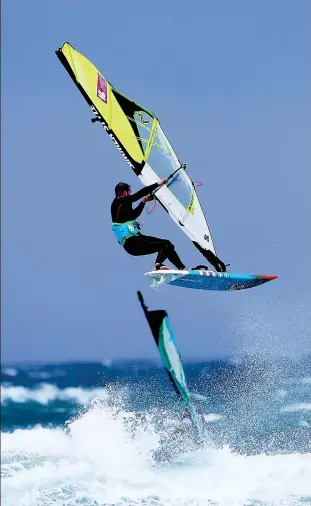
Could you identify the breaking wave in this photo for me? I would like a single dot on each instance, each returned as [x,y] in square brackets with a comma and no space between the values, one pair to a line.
[97,461]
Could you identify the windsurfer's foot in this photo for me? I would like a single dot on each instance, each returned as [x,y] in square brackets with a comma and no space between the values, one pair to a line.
[160,267]
[220,267]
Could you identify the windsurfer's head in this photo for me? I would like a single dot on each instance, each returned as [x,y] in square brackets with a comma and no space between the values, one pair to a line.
[122,190]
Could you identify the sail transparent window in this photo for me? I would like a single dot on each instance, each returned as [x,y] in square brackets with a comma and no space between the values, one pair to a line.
[164,162]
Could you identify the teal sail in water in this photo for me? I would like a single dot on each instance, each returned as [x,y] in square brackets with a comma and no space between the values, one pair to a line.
[163,335]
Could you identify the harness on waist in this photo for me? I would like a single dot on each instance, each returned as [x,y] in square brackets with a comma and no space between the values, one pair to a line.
[123,231]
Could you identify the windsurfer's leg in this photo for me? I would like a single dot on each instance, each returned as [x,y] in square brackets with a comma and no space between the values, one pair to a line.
[169,252]
[146,245]
[140,245]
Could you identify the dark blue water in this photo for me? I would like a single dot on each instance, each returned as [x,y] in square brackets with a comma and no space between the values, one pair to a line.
[259,405]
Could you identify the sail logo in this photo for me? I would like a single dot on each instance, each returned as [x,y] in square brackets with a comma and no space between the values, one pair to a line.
[102,88]
[109,132]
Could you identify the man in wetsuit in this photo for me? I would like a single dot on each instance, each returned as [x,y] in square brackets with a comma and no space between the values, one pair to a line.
[127,229]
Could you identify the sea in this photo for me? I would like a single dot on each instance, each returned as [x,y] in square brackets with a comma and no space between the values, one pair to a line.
[104,434]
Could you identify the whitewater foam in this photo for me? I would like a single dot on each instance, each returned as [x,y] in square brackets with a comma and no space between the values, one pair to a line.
[10,371]
[100,462]
[46,393]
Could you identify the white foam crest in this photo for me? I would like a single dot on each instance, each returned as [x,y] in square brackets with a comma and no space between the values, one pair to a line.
[299,406]
[46,393]
[38,440]
[100,463]
[10,371]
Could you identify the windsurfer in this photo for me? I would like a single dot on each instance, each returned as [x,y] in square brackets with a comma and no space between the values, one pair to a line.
[127,229]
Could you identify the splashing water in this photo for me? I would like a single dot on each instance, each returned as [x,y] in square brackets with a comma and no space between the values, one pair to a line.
[98,461]
[258,452]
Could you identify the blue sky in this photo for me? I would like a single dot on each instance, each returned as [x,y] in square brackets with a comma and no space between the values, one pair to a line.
[231,84]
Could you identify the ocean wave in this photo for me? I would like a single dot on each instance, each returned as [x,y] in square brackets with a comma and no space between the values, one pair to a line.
[47,375]
[10,371]
[99,462]
[46,393]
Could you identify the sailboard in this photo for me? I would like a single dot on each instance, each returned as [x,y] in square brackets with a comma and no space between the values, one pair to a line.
[208,280]
[138,135]
[164,337]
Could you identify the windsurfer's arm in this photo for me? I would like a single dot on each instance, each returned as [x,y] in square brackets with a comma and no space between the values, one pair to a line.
[146,191]
[138,210]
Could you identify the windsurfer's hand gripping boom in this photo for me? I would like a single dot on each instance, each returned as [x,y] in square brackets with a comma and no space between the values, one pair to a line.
[165,181]
[151,195]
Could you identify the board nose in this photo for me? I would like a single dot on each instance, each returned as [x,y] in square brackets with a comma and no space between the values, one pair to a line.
[269,278]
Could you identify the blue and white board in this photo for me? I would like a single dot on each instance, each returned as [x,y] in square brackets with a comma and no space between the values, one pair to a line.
[208,280]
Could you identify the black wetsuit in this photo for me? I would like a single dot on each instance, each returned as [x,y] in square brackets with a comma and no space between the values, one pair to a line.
[122,211]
